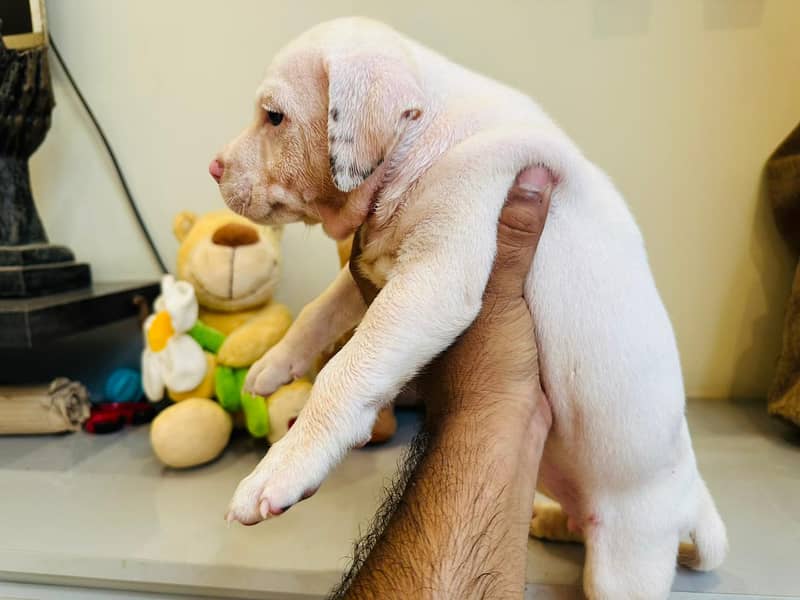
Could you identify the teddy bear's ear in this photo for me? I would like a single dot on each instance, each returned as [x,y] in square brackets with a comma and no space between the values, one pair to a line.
[183,223]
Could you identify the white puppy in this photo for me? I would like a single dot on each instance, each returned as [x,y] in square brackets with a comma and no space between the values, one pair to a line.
[356,124]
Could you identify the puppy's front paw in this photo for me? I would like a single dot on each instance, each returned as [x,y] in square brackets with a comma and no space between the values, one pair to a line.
[280,480]
[280,365]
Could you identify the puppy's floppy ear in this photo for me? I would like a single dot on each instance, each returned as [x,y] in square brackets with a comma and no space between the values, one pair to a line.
[371,99]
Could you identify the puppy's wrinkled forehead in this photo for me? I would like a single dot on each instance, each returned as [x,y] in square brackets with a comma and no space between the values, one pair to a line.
[302,66]
[295,84]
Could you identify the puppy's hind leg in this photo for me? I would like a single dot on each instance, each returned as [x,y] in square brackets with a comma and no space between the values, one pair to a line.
[710,540]
[626,559]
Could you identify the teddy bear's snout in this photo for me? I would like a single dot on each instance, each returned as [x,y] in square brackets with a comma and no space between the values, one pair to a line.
[234,235]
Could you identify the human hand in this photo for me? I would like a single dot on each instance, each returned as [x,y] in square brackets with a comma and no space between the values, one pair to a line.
[492,371]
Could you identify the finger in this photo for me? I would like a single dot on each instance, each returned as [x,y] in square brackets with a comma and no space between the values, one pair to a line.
[520,226]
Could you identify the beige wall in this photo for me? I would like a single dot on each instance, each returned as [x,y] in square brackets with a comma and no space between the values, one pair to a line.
[680,101]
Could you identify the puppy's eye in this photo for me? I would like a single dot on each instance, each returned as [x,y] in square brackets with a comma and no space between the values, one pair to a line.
[274,117]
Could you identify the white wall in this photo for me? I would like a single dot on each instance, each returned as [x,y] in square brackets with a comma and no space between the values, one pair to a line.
[680,101]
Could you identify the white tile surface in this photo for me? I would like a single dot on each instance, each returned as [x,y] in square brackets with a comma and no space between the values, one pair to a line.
[99,511]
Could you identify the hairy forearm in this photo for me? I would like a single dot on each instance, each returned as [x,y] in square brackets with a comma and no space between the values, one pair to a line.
[456,524]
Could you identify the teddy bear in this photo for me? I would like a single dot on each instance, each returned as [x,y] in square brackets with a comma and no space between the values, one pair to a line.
[210,323]
[234,266]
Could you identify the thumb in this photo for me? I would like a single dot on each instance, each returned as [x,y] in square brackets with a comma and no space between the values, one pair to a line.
[520,226]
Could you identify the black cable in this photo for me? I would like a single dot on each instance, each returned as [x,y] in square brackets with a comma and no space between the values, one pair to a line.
[111,155]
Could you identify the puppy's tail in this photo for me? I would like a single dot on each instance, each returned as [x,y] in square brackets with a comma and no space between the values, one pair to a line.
[710,540]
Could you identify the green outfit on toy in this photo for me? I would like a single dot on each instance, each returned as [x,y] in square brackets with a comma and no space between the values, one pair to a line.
[229,384]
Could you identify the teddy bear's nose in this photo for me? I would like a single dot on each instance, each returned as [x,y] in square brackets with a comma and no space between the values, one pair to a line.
[216,168]
[235,234]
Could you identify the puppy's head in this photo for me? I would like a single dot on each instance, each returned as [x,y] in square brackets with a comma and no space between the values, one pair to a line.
[331,109]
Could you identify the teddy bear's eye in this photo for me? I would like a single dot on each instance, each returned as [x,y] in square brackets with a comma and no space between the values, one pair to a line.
[274,117]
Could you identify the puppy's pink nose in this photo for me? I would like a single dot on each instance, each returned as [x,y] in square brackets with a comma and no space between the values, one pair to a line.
[216,168]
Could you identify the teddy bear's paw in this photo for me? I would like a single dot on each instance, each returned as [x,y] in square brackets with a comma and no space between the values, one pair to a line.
[279,366]
[550,522]
[276,484]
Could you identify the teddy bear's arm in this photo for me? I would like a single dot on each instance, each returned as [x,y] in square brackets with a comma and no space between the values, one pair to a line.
[249,342]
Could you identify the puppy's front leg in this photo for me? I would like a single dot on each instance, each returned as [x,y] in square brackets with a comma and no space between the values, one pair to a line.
[321,322]
[425,305]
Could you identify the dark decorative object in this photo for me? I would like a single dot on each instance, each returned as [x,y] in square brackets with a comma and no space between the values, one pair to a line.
[782,176]
[29,265]
[34,322]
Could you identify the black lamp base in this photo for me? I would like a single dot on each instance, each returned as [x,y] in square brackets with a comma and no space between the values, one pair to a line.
[35,322]
[38,269]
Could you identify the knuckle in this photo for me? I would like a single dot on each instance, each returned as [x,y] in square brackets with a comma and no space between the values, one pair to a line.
[522,220]
[511,240]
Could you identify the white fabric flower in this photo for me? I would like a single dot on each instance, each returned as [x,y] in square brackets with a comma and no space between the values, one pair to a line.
[172,358]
